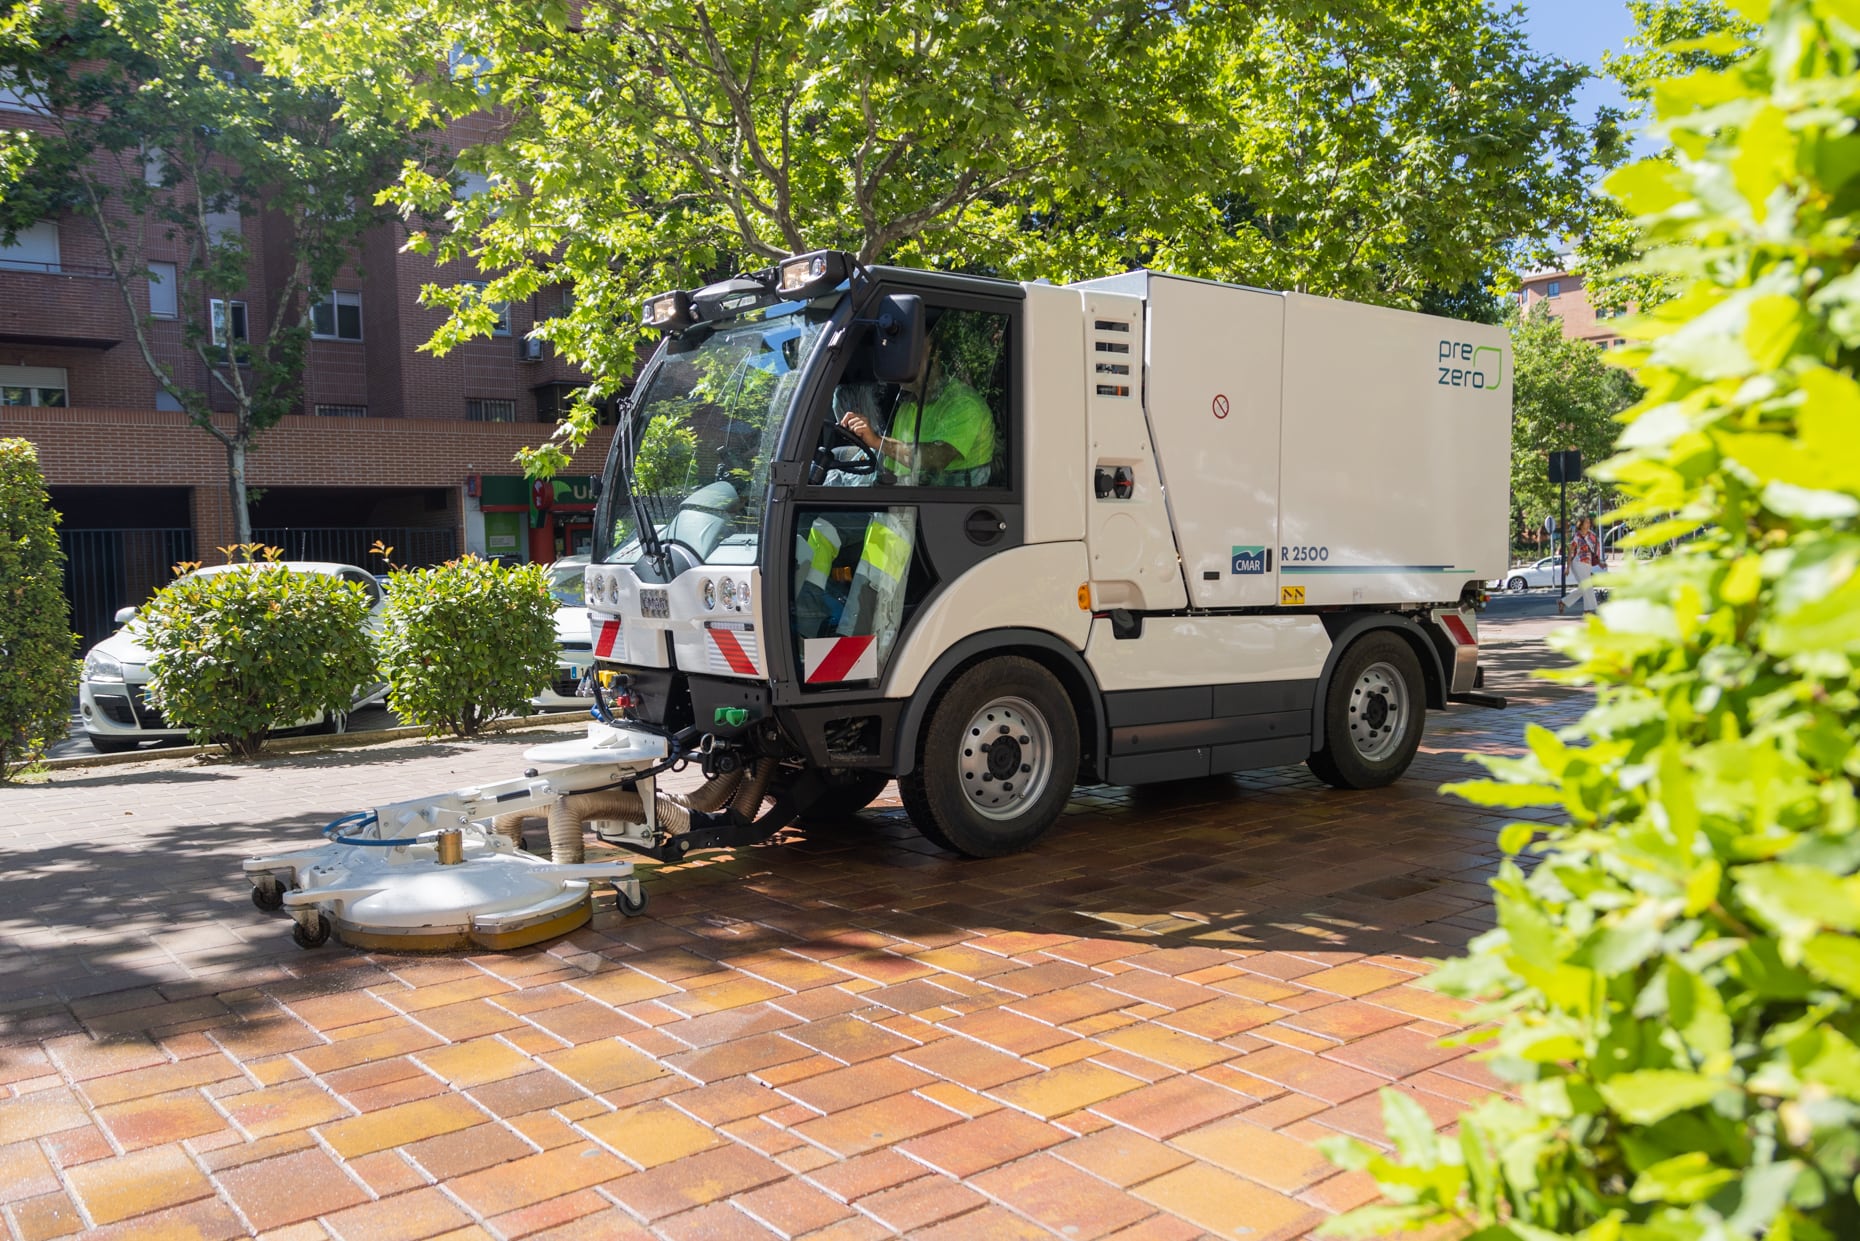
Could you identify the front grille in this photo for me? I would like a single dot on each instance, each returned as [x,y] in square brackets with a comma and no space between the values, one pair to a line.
[116,707]
[568,685]
[146,714]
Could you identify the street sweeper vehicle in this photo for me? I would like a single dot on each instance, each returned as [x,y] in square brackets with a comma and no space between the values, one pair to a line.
[994,539]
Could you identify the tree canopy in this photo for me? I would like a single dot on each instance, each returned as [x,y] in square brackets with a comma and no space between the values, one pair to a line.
[155,126]
[1375,149]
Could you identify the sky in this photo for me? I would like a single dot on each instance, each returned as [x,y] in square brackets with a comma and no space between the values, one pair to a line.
[1581,30]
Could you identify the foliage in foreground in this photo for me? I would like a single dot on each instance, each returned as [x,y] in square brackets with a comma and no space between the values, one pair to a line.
[36,641]
[1677,982]
[237,651]
[466,642]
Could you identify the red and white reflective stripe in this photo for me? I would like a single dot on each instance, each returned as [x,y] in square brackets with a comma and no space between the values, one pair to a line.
[1457,629]
[825,660]
[605,640]
[732,651]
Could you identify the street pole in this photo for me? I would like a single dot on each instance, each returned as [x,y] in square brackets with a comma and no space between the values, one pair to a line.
[1562,538]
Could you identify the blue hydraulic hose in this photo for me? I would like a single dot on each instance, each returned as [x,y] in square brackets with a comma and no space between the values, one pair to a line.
[363,818]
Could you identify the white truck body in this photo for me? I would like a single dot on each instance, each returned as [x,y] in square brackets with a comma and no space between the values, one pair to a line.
[1216,490]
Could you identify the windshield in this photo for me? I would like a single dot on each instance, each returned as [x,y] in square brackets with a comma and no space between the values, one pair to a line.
[703,430]
[566,582]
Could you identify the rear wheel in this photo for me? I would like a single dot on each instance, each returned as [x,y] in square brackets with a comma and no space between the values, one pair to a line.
[1373,714]
[1517,584]
[848,792]
[112,745]
[996,762]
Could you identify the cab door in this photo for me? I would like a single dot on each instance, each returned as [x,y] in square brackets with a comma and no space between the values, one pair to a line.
[904,487]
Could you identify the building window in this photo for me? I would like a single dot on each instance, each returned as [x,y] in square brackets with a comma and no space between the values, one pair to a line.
[502,309]
[18,97]
[1553,288]
[337,317]
[34,248]
[227,320]
[162,288]
[165,400]
[477,410]
[342,411]
[34,385]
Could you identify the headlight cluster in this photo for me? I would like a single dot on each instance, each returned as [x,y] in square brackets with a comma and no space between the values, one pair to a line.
[99,667]
[602,590]
[728,594]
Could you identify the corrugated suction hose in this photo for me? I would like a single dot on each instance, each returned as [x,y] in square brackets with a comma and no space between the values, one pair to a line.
[570,813]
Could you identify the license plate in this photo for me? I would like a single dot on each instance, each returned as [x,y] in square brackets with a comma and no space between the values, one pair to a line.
[656,604]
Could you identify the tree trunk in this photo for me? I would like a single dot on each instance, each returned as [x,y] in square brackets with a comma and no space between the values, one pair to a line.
[235,490]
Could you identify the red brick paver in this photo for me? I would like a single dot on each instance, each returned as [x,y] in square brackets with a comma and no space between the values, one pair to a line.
[1140,1029]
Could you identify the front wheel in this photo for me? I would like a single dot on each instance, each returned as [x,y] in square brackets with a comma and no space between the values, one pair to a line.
[1373,713]
[1517,584]
[848,791]
[997,760]
[112,745]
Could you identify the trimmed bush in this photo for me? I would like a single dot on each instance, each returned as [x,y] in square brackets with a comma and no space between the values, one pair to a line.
[1676,983]
[466,642]
[36,642]
[235,652]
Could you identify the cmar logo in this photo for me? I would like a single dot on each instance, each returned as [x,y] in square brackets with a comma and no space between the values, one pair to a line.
[1464,365]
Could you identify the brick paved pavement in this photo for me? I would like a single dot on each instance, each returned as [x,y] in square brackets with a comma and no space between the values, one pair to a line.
[1137,1030]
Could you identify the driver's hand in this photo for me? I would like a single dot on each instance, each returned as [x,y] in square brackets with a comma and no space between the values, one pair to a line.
[857,424]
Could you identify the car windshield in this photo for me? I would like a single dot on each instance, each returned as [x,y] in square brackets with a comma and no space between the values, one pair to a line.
[566,582]
[703,431]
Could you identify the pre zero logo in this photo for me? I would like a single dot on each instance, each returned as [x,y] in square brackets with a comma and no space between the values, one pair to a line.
[1465,365]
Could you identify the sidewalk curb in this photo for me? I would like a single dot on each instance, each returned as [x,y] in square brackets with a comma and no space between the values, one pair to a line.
[309,745]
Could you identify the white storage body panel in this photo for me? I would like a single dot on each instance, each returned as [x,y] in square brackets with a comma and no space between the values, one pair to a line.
[1057,492]
[1176,651]
[1395,454]
[1214,399]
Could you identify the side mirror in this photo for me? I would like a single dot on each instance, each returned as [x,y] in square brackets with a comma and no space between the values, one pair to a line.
[899,341]
[125,615]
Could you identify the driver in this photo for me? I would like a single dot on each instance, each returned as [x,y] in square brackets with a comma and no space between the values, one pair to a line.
[952,442]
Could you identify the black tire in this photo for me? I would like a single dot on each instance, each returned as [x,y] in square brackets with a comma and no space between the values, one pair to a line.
[849,790]
[269,898]
[627,905]
[1517,584]
[1371,733]
[333,724]
[314,938]
[961,794]
[112,745]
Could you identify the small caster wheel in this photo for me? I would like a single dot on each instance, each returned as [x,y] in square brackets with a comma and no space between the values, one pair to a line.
[307,938]
[269,897]
[630,907]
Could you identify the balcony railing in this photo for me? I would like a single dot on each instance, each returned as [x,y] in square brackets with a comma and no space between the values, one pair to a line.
[63,304]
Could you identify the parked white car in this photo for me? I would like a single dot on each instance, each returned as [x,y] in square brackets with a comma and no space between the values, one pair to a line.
[1528,576]
[574,646]
[113,691]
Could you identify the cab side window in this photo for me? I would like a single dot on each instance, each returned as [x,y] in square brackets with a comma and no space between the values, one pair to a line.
[948,429]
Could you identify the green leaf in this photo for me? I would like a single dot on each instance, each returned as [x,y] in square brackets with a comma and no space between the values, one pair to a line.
[1834,959]
[1683,1179]
[1649,1096]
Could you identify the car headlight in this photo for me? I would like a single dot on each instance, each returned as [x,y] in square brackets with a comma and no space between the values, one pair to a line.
[100,667]
[708,592]
[728,591]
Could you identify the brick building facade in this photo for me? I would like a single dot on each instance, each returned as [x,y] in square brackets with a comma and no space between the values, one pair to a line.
[1562,290]
[387,441]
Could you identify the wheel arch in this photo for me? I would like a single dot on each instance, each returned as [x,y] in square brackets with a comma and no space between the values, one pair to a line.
[1346,629]
[1046,649]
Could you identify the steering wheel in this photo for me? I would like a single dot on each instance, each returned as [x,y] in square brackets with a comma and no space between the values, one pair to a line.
[839,437]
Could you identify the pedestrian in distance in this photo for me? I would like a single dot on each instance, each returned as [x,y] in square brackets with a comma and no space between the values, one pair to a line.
[1585,560]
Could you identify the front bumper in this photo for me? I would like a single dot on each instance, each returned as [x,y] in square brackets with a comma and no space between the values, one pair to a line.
[121,710]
